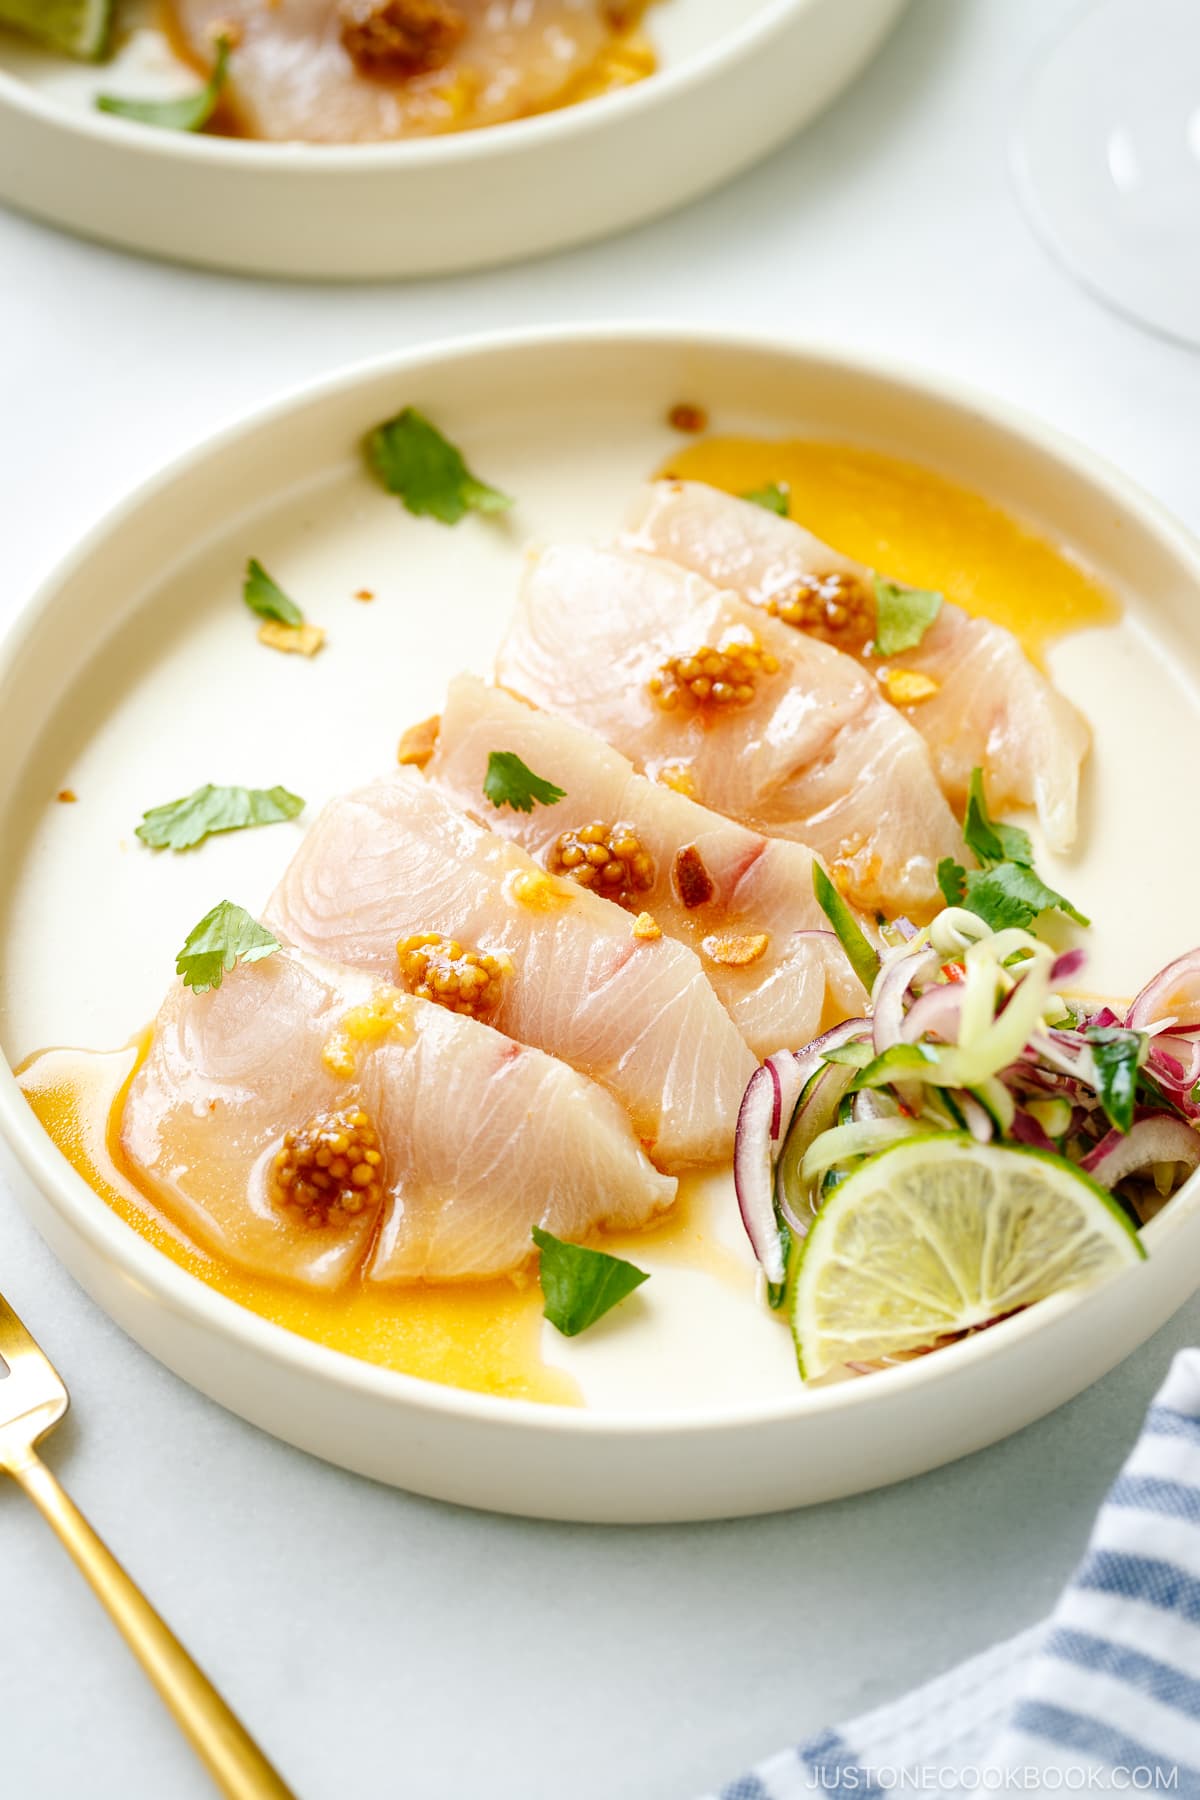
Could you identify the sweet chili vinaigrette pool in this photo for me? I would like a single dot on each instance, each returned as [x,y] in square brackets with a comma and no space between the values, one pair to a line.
[915,526]
[482,1335]
[486,1336]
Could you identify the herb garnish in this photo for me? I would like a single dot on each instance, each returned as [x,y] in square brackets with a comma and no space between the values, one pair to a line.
[902,615]
[180,824]
[772,498]
[509,783]
[850,935]
[191,113]
[414,461]
[224,937]
[988,840]
[578,1285]
[1005,890]
[1116,1053]
[266,598]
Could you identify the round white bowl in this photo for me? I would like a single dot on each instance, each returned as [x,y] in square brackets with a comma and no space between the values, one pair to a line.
[735,81]
[134,658]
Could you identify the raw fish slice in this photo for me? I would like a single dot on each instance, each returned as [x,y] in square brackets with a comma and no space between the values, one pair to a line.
[992,709]
[397,859]
[479,62]
[229,1073]
[226,1074]
[760,887]
[814,755]
[497,1138]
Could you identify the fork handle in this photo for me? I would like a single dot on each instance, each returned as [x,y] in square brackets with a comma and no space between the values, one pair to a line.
[218,1737]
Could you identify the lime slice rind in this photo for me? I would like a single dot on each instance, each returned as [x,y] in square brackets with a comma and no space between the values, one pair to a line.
[941,1234]
[77,27]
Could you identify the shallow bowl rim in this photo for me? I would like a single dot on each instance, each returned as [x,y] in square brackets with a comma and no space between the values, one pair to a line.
[556,126]
[175,1288]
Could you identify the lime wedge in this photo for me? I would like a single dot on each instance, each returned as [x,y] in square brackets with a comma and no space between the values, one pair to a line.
[80,27]
[941,1233]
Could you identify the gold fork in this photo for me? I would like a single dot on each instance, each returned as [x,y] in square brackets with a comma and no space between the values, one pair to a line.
[32,1401]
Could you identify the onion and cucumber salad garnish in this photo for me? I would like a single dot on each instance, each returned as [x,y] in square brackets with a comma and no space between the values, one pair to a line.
[975,1142]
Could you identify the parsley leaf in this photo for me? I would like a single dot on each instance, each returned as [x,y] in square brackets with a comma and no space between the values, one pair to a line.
[1116,1053]
[850,935]
[191,113]
[266,598]
[225,936]
[1006,890]
[902,615]
[772,498]
[509,783]
[414,461]
[182,823]
[578,1285]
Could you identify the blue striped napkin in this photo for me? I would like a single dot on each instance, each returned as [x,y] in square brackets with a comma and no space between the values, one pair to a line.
[1104,1697]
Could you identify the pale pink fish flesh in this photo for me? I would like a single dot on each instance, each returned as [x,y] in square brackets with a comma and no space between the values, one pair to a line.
[747,887]
[293,77]
[397,859]
[481,1138]
[816,756]
[992,709]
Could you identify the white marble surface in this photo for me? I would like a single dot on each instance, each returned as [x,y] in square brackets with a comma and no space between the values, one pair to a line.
[389,1646]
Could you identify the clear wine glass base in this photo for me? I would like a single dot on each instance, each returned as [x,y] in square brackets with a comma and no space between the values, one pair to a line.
[1107,158]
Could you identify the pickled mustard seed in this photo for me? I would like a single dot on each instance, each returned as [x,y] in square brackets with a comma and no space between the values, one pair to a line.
[464,981]
[713,676]
[330,1168]
[609,859]
[837,608]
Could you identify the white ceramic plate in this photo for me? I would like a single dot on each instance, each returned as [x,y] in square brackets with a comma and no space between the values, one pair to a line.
[133,677]
[736,77]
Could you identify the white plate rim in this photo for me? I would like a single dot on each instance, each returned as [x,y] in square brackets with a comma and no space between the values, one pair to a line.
[486,141]
[137,1260]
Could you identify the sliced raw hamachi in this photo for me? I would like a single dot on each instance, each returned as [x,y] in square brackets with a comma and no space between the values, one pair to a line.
[706,693]
[356,71]
[478,922]
[989,707]
[440,1142]
[742,901]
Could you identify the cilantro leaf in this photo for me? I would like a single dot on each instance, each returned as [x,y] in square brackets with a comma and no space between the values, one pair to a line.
[985,837]
[191,113]
[1006,895]
[180,824]
[266,598]
[902,615]
[1006,890]
[849,933]
[578,1285]
[1010,894]
[225,936]
[414,461]
[952,879]
[509,783]
[1116,1053]
[772,498]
